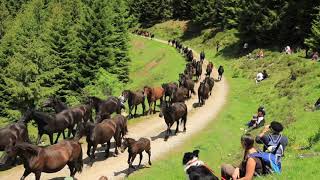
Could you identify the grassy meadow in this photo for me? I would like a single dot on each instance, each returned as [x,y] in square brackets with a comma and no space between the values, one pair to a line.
[286,99]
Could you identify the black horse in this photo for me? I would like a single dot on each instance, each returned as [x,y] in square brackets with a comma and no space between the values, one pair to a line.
[13,134]
[169,89]
[104,108]
[188,83]
[134,99]
[198,70]
[203,92]
[46,124]
[173,113]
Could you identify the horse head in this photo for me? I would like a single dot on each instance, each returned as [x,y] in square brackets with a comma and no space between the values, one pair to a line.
[27,116]
[165,106]
[22,149]
[127,142]
[147,91]
[126,94]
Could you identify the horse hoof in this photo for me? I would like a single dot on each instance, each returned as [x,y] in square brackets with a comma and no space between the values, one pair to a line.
[150,163]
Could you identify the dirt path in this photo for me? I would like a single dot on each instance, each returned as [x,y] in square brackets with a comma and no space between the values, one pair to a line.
[153,128]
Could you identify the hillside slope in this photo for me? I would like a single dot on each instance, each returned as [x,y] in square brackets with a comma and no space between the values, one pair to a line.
[286,100]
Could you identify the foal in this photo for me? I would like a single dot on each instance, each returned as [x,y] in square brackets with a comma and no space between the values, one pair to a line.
[136,147]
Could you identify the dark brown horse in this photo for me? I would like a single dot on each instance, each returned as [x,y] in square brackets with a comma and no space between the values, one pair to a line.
[188,84]
[210,82]
[136,147]
[173,113]
[73,116]
[104,108]
[209,69]
[198,70]
[134,99]
[153,94]
[180,95]
[49,159]
[169,88]
[121,122]
[56,103]
[13,134]
[203,92]
[46,124]
[100,133]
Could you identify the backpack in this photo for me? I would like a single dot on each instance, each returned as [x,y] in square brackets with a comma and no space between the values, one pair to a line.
[270,162]
[274,146]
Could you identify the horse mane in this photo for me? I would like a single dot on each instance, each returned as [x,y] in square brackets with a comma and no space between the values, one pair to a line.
[131,140]
[26,147]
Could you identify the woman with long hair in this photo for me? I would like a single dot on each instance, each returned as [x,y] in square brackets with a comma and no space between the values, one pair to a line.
[249,167]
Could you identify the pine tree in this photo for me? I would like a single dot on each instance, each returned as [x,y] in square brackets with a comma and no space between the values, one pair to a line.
[204,12]
[313,41]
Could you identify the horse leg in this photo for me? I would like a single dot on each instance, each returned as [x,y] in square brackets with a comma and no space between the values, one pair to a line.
[149,153]
[59,133]
[88,149]
[177,129]
[154,107]
[108,148]
[25,174]
[184,123]
[51,138]
[39,137]
[72,169]
[140,155]
[131,161]
[135,111]
[94,147]
[38,174]
[143,108]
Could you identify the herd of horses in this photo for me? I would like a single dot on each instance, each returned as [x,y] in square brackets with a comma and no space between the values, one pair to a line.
[79,121]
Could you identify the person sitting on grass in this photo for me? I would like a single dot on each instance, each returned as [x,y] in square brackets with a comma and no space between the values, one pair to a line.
[260,54]
[315,56]
[249,167]
[265,74]
[259,77]
[272,139]
[255,122]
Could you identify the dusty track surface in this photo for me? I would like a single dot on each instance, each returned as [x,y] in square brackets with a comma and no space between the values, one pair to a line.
[152,127]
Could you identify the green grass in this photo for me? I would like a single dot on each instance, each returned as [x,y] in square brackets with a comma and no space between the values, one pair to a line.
[286,100]
[153,63]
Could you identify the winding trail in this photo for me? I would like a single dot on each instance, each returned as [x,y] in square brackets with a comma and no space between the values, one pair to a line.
[151,127]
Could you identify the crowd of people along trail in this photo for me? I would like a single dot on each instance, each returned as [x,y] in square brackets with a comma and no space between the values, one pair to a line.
[108,123]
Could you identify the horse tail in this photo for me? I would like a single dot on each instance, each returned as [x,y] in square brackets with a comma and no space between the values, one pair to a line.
[79,161]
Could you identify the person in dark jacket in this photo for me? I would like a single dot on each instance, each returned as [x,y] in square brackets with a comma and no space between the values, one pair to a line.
[272,139]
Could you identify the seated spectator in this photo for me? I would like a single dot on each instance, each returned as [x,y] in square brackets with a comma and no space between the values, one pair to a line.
[272,139]
[256,122]
[315,56]
[260,54]
[265,74]
[249,167]
[317,104]
[288,50]
[259,77]
[262,110]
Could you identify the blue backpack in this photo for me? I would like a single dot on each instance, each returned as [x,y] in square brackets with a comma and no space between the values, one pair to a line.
[270,163]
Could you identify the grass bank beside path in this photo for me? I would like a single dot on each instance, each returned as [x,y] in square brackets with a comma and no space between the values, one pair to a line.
[286,100]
